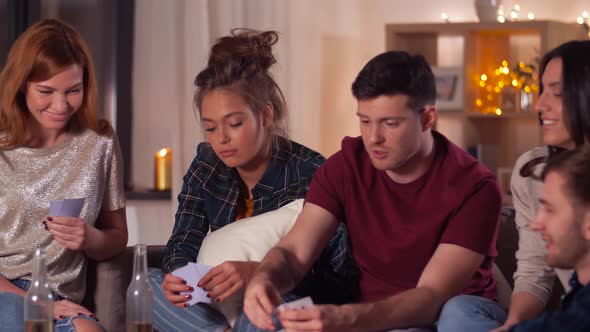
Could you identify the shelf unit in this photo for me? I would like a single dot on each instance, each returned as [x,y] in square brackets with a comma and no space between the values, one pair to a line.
[484,46]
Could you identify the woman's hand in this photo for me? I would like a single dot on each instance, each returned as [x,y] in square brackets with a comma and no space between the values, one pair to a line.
[172,286]
[226,278]
[70,232]
[65,308]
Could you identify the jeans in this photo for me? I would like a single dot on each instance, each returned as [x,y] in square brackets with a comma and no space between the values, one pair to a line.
[470,313]
[168,318]
[12,312]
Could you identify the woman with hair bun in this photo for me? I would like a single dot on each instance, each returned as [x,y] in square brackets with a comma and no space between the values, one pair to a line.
[246,167]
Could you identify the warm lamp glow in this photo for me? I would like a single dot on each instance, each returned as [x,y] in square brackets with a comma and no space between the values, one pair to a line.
[478,102]
[482,84]
[498,111]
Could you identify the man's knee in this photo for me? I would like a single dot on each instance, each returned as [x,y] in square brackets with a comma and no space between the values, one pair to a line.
[460,305]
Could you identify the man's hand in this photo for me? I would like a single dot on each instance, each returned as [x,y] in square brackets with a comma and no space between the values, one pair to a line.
[70,232]
[65,308]
[259,302]
[320,318]
[226,278]
[172,286]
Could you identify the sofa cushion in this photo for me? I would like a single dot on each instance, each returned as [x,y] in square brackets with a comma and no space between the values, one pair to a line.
[106,286]
[247,239]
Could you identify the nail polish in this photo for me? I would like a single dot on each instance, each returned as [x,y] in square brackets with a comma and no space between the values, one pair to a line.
[187,296]
[189,288]
[49,218]
[44,222]
[46,228]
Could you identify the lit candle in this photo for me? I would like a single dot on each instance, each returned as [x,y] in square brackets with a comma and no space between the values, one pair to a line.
[164,170]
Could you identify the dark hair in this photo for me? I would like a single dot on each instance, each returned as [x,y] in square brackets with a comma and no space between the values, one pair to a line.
[240,63]
[397,72]
[575,79]
[574,166]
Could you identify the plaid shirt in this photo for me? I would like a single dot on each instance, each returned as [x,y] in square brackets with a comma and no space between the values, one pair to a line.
[211,194]
[574,314]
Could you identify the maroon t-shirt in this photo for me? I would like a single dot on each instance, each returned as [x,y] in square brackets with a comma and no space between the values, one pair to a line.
[395,228]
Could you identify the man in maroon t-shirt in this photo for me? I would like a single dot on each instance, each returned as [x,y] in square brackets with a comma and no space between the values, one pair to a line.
[422,214]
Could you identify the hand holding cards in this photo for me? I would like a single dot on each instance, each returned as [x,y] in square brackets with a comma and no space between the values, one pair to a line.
[303,303]
[192,273]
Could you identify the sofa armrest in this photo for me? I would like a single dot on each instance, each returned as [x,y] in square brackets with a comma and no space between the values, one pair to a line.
[107,282]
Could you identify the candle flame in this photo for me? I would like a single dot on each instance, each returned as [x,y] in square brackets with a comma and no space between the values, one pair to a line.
[162,153]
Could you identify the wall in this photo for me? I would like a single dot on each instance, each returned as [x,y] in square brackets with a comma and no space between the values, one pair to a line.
[323,45]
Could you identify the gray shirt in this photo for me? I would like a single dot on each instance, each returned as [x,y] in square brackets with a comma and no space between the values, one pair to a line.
[532,274]
[83,165]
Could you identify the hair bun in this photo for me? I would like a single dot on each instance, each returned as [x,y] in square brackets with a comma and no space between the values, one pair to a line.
[246,51]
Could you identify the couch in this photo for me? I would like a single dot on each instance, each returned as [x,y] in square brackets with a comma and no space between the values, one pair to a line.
[108,280]
[106,286]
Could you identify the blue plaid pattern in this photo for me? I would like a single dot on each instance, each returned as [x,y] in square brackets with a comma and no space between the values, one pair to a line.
[211,193]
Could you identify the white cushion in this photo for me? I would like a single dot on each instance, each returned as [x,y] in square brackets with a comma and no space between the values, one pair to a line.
[247,239]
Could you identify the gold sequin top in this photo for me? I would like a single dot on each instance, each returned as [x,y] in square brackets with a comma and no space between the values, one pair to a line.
[84,165]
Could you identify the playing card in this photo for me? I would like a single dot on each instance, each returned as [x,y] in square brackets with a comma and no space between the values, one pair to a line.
[303,303]
[66,208]
[72,207]
[192,273]
[54,208]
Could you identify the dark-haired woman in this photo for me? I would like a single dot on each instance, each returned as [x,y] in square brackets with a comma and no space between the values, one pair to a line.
[564,114]
[53,147]
[247,166]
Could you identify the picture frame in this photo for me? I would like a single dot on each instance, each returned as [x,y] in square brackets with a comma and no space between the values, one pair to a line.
[449,88]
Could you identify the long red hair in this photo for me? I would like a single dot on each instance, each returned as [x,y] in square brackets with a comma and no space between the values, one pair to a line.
[42,51]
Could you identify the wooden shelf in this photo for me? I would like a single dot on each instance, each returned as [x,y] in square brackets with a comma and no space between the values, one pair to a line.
[484,46]
[506,115]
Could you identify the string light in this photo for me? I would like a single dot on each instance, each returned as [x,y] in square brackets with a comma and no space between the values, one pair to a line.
[580,20]
[531,16]
[501,19]
[492,84]
[585,14]
[444,16]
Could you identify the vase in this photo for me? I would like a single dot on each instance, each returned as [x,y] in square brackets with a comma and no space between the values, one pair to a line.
[487,10]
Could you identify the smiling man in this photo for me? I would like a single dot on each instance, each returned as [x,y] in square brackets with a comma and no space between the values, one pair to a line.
[422,214]
[563,219]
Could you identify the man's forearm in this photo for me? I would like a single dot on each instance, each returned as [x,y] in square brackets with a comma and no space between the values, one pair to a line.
[524,306]
[412,308]
[282,269]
